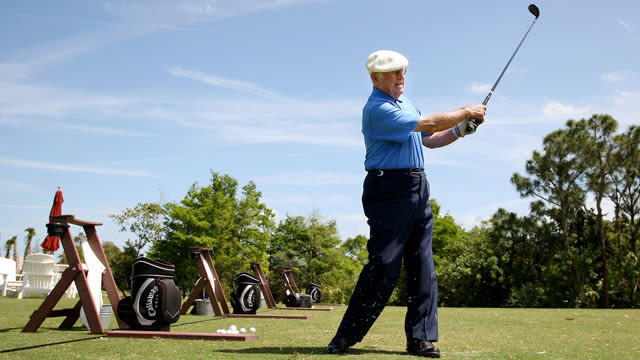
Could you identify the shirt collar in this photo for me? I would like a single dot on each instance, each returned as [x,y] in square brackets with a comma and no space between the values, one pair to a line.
[379,93]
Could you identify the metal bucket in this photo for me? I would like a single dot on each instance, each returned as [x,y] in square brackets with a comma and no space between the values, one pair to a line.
[106,312]
[203,307]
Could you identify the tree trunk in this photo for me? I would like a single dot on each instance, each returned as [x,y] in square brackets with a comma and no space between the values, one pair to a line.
[603,254]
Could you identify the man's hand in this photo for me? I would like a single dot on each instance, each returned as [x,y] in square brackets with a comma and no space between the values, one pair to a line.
[466,127]
[475,111]
[473,117]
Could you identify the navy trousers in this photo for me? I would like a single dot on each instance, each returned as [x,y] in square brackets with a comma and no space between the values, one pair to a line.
[401,225]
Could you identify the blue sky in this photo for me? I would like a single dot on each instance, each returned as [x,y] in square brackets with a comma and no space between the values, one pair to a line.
[121,102]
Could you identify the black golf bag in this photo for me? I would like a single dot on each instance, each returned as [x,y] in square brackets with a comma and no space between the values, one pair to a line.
[246,297]
[315,292]
[155,299]
[298,300]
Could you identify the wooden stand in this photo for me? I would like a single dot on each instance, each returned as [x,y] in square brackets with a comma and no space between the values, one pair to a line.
[268,296]
[205,265]
[290,285]
[76,273]
[181,335]
[210,283]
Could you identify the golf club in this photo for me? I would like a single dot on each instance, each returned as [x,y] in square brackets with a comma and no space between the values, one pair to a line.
[533,9]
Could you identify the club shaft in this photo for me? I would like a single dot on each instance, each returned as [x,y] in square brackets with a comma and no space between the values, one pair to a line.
[486,100]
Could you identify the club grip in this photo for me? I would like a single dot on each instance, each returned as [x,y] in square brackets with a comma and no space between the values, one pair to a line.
[472,125]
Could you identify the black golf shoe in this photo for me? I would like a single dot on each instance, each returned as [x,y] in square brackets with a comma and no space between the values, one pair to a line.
[339,345]
[422,348]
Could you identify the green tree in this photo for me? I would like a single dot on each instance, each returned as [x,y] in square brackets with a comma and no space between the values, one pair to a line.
[445,229]
[31,232]
[554,177]
[120,262]
[625,181]
[625,194]
[356,256]
[310,247]
[469,272]
[580,161]
[597,134]
[77,241]
[11,244]
[113,254]
[146,221]
[14,240]
[356,249]
[237,227]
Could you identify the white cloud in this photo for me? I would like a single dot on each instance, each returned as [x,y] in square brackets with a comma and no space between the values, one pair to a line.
[14,186]
[6,206]
[23,99]
[626,106]
[27,61]
[71,168]
[33,106]
[106,131]
[627,27]
[611,77]
[476,88]
[331,123]
[242,86]
[556,109]
[174,13]
[41,59]
[308,178]
[627,98]
[277,120]
[619,76]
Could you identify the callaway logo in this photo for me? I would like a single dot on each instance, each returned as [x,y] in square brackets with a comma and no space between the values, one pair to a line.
[149,304]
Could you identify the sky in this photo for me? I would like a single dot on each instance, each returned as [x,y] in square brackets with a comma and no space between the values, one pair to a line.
[121,102]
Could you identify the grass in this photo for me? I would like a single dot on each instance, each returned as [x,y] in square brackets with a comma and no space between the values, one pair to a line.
[465,333]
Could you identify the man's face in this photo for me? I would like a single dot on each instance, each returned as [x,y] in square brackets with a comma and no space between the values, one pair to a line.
[390,83]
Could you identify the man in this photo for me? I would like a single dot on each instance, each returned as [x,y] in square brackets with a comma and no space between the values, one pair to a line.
[396,202]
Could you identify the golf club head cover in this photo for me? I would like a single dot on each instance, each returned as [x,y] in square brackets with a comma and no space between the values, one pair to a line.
[298,300]
[246,297]
[155,299]
[314,291]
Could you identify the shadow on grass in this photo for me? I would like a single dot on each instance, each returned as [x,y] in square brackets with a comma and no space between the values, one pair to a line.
[196,321]
[75,328]
[310,350]
[49,344]
[10,329]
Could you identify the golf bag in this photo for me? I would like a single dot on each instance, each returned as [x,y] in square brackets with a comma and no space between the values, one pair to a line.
[298,300]
[246,297]
[154,303]
[315,292]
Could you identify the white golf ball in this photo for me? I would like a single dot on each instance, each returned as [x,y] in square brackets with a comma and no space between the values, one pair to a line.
[243,330]
[252,329]
[232,327]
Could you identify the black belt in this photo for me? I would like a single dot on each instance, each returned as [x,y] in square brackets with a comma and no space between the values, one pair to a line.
[396,171]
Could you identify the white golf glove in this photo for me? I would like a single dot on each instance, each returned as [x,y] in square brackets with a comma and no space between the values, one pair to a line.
[465,127]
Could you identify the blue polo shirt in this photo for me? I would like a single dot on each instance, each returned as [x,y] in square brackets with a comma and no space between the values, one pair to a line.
[387,126]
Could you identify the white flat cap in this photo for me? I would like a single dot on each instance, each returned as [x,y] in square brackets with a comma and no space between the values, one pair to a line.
[386,60]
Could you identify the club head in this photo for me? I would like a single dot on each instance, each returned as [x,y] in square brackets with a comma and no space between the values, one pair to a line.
[534,10]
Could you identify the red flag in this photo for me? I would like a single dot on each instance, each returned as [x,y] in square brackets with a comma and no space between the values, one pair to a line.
[51,243]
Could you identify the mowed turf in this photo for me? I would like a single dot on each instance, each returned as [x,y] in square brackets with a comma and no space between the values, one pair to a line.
[465,333]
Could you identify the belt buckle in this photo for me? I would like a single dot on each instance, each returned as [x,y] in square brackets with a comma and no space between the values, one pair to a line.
[380,172]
